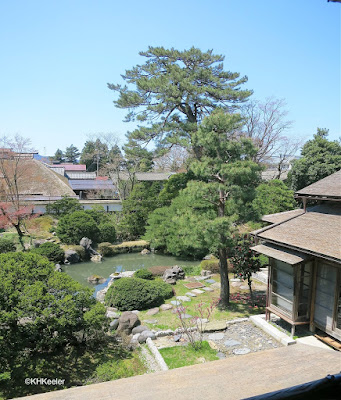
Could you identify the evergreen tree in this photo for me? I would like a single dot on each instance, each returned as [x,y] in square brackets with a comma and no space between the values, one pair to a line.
[71,154]
[173,91]
[320,157]
[226,170]
[58,156]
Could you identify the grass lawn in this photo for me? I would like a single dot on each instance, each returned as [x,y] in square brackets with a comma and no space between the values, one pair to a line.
[77,365]
[239,306]
[180,356]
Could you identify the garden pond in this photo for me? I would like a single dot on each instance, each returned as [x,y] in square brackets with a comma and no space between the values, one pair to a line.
[122,262]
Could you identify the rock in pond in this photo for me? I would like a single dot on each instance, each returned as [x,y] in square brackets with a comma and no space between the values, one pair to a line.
[71,257]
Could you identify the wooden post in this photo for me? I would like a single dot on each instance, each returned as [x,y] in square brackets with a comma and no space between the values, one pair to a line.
[313,296]
[268,292]
[292,331]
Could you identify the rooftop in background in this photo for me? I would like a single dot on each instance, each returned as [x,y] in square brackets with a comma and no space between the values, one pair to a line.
[71,167]
[147,176]
[37,181]
[326,188]
[91,184]
[282,216]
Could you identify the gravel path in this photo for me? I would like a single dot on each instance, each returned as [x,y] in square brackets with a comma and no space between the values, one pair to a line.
[240,338]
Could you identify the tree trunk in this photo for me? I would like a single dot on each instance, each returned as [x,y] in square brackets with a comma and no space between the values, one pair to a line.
[224,278]
[21,235]
[249,281]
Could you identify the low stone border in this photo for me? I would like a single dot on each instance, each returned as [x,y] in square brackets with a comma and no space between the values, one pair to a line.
[158,357]
[259,320]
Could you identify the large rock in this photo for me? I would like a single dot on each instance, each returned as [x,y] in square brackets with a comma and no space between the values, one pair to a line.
[139,329]
[58,268]
[38,242]
[145,335]
[127,322]
[96,279]
[97,258]
[71,257]
[86,243]
[145,251]
[173,274]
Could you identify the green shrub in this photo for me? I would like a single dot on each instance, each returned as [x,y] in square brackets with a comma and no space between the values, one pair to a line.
[52,251]
[73,227]
[66,205]
[144,274]
[191,269]
[6,245]
[211,265]
[105,249]
[137,294]
[107,232]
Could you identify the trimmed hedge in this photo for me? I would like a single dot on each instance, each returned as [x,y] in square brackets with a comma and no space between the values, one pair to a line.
[6,246]
[144,274]
[129,294]
[73,227]
[211,265]
[52,251]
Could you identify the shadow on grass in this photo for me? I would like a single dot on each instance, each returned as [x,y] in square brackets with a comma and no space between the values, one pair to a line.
[76,365]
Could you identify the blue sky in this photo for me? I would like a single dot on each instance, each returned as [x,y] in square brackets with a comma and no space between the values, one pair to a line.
[57,57]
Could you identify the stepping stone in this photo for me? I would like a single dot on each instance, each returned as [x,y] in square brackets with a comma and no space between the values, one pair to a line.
[216,285]
[191,294]
[153,311]
[165,307]
[200,278]
[194,285]
[231,343]
[150,321]
[213,345]
[176,303]
[210,281]
[244,287]
[198,291]
[202,321]
[216,336]
[214,326]
[208,289]
[241,351]
[183,298]
[235,284]
[235,280]
[221,355]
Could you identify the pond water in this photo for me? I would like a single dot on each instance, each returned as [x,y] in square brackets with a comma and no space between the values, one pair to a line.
[122,262]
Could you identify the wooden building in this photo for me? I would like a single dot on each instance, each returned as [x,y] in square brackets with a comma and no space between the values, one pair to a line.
[304,249]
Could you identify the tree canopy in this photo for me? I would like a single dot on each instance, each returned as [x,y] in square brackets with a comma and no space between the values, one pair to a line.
[174,90]
[71,154]
[320,157]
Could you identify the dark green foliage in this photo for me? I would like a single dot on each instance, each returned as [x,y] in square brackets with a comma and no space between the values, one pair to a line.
[58,156]
[42,310]
[107,232]
[66,205]
[173,91]
[71,154]
[184,228]
[6,245]
[137,294]
[319,158]
[52,251]
[244,261]
[142,201]
[73,227]
[190,270]
[173,186]
[144,274]
[272,197]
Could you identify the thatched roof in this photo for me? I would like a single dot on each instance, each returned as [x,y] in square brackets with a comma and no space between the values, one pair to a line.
[282,216]
[36,180]
[316,232]
[329,187]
